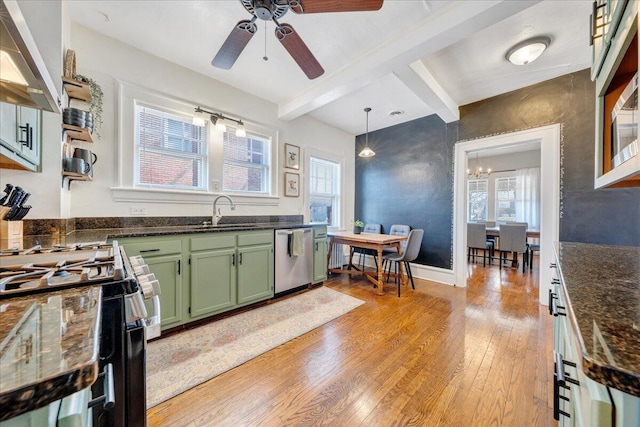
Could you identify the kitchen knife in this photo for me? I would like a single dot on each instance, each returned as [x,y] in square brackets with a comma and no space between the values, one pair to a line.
[7,191]
[11,201]
[14,203]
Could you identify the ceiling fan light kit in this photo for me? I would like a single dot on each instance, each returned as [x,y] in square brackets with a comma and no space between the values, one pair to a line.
[527,51]
[272,10]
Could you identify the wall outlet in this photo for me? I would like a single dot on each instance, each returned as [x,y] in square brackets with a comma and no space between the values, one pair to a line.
[137,211]
[215,185]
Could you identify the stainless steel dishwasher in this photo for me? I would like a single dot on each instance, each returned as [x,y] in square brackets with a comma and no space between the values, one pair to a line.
[293,271]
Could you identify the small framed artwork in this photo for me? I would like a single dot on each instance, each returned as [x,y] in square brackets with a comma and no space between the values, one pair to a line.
[291,184]
[291,156]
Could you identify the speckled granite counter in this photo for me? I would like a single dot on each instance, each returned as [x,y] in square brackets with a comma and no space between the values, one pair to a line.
[602,285]
[48,347]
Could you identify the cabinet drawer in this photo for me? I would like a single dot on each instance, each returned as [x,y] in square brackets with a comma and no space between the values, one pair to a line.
[153,248]
[319,232]
[255,238]
[212,241]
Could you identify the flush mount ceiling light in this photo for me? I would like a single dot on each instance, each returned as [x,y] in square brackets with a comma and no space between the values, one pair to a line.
[527,51]
[217,120]
[366,151]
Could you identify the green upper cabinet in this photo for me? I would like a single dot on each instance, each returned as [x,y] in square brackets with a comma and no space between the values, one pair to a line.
[319,253]
[20,137]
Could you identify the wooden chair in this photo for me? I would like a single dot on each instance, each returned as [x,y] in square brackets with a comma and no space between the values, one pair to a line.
[477,240]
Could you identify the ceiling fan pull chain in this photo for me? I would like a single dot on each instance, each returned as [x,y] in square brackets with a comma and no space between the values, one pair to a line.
[265,57]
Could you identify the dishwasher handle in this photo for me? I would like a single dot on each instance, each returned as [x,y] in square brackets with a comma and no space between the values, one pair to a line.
[287,232]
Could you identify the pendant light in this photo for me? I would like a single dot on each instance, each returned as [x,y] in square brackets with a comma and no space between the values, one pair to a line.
[366,151]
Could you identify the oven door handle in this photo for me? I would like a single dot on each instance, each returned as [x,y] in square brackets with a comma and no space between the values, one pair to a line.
[108,399]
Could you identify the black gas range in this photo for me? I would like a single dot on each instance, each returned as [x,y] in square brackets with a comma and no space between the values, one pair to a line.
[120,390]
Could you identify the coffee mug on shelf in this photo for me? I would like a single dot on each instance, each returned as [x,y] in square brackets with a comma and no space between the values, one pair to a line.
[76,165]
[88,157]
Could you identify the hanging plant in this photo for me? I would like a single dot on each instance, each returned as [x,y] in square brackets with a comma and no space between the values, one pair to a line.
[96,101]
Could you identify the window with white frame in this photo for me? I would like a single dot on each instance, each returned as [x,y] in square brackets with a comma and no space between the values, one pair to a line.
[324,192]
[246,162]
[170,151]
[506,199]
[477,199]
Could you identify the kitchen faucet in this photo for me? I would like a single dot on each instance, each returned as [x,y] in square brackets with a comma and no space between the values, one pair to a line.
[216,217]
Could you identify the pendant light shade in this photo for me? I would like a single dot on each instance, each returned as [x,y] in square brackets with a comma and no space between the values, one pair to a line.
[366,151]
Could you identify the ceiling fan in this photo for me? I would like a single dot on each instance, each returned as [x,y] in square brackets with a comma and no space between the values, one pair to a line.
[272,10]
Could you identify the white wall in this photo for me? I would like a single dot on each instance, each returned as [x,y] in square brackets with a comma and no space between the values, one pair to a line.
[108,61]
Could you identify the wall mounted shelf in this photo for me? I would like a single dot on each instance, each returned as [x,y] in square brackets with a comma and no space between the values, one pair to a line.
[77,133]
[72,176]
[76,89]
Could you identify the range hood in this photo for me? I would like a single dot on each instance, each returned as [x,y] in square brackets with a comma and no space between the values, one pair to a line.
[24,79]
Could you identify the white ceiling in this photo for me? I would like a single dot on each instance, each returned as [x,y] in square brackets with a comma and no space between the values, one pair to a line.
[418,56]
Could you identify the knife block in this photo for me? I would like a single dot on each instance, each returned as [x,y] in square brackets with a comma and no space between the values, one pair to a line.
[10,234]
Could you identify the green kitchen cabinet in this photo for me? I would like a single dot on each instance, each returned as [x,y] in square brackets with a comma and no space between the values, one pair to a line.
[213,281]
[164,258]
[255,266]
[20,137]
[319,253]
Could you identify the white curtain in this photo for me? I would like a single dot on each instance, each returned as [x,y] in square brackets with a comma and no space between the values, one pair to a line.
[528,197]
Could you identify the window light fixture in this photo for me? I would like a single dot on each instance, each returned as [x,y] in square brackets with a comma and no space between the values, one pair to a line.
[366,151]
[527,51]
[217,119]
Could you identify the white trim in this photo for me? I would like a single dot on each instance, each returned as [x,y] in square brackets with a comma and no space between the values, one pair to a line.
[312,152]
[549,137]
[127,194]
[424,272]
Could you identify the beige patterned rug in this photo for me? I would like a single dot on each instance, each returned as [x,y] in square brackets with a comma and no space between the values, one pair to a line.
[184,360]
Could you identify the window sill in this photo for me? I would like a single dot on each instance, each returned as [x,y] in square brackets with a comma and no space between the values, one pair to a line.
[129,194]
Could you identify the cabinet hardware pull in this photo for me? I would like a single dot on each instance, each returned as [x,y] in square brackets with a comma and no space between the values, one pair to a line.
[316,246]
[146,251]
[554,309]
[552,296]
[28,131]
[233,260]
[553,265]
[179,266]
[559,382]
[240,258]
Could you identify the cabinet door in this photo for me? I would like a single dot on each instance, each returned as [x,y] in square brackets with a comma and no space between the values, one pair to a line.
[255,273]
[29,132]
[213,281]
[9,126]
[319,260]
[167,270]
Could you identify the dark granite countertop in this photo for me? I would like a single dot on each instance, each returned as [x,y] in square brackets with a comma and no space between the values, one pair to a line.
[602,285]
[49,344]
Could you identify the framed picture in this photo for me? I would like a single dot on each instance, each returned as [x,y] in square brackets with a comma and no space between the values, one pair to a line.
[291,184]
[291,156]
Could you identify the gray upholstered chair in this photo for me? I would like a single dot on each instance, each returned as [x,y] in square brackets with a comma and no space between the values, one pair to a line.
[410,253]
[477,240]
[397,230]
[493,239]
[513,238]
[363,252]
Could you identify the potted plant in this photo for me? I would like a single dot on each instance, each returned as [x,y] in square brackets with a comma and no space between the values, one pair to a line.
[357,226]
[95,106]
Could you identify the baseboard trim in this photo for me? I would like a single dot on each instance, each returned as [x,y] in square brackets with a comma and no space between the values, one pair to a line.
[425,272]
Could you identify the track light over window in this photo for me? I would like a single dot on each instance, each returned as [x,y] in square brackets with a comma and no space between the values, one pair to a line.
[218,119]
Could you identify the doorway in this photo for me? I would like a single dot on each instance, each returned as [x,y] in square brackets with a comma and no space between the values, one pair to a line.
[549,139]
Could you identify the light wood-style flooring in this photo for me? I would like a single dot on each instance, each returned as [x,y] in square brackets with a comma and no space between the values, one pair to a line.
[437,356]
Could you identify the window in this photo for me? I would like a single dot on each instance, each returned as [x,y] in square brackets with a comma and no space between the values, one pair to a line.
[324,192]
[506,199]
[477,199]
[170,151]
[246,162]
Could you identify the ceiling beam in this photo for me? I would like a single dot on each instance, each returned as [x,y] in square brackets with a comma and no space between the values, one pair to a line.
[457,21]
[422,83]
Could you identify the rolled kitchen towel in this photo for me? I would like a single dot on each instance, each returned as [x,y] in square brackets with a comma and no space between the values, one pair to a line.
[298,243]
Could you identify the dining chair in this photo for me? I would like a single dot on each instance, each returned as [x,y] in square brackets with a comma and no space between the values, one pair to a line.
[363,252]
[414,242]
[513,238]
[477,240]
[396,230]
[492,239]
[533,247]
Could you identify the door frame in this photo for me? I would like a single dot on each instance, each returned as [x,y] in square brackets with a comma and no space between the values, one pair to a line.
[549,138]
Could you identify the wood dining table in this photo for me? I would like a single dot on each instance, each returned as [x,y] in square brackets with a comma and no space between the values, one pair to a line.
[495,231]
[373,241]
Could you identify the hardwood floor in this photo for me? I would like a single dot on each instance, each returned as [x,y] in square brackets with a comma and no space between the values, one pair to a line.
[440,355]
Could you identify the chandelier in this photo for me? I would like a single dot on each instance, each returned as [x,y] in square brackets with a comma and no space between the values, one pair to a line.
[479,173]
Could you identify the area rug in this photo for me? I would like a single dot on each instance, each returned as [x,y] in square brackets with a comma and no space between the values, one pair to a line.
[184,360]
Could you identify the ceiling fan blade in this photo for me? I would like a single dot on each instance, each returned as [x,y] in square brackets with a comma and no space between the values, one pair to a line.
[320,6]
[234,45]
[299,51]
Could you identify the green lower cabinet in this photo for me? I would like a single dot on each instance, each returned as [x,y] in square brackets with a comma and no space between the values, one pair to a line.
[319,253]
[255,273]
[213,281]
[167,271]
